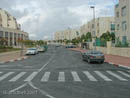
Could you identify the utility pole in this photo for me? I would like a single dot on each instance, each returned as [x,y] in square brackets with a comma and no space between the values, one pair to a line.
[94,35]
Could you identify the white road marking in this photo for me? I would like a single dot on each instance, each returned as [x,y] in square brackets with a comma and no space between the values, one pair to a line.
[11,91]
[42,92]
[20,69]
[1,72]
[90,77]
[75,76]
[17,77]
[45,64]
[102,76]
[117,76]
[125,74]
[61,77]
[46,76]
[30,83]
[129,71]
[30,77]
[6,75]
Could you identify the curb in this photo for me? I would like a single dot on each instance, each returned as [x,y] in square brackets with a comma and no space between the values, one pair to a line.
[117,65]
[18,59]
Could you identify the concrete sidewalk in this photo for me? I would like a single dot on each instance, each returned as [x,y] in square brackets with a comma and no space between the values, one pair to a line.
[11,56]
[112,59]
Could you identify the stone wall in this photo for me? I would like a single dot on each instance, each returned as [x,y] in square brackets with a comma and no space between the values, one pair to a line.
[115,51]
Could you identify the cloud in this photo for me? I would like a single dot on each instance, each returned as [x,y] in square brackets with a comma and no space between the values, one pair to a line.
[41,18]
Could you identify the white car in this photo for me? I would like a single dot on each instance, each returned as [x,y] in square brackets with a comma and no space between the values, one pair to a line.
[41,49]
[31,51]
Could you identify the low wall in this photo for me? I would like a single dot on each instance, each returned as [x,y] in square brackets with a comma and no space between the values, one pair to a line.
[115,51]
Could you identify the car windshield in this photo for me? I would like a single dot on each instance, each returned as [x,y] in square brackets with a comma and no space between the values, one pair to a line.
[31,49]
[96,52]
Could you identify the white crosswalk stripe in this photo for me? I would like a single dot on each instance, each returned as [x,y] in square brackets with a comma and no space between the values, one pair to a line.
[90,77]
[102,76]
[46,76]
[125,74]
[30,77]
[107,76]
[61,77]
[5,75]
[1,72]
[129,71]
[17,77]
[75,76]
[117,76]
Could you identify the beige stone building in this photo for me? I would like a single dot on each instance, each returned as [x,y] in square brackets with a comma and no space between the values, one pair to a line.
[122,20]
[100,26]
[68,34]
[10,29]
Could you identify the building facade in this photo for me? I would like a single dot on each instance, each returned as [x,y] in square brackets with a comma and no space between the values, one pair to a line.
[67,34]
[10,30]
[122,20]
[99,26]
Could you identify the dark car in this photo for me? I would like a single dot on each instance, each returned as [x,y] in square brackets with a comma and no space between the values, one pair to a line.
[93,56]
[71,46]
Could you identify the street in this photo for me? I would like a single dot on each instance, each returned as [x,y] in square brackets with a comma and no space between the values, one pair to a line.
[61,73]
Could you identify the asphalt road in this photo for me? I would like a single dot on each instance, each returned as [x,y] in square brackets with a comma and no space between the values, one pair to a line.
[61,73]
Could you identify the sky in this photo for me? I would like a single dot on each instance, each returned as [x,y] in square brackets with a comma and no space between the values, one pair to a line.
[41,18]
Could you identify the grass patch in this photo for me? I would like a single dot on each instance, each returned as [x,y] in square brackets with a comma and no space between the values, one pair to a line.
[8,49]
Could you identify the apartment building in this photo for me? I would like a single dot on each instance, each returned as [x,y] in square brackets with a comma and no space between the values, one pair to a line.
[99,26]
[68,34]
[10,29]
[122,20]
[85,28]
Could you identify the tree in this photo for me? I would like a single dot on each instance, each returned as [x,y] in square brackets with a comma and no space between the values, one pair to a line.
[89,36]
[3,42]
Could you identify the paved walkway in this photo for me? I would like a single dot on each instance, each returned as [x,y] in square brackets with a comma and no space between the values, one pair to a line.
[115,59]
[7,56]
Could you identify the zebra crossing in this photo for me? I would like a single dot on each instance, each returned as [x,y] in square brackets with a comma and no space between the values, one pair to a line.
[94,76]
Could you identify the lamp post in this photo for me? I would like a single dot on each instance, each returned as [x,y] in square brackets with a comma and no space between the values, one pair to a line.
[94,35]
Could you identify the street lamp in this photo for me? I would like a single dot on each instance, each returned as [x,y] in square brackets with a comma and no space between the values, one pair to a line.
[94,35]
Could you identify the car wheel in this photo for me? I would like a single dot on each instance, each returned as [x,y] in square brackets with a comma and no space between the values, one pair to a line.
[89,61]
[102,62]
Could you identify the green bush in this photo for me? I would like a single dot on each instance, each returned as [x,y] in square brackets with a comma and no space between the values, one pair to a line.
[120,44]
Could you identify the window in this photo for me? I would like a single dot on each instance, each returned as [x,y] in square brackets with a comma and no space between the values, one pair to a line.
[6,34]
[92,25]
[124,26]
[112,26]
[1,34]
[77,32]
[124,39]
[97,24]
[117,14]
[118,27]
[97,31]
[123,11]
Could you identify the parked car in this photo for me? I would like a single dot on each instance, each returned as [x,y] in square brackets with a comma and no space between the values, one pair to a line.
[93,56]
[31,51]
[71,46]
[68,46]
[57,45]
[41,49]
